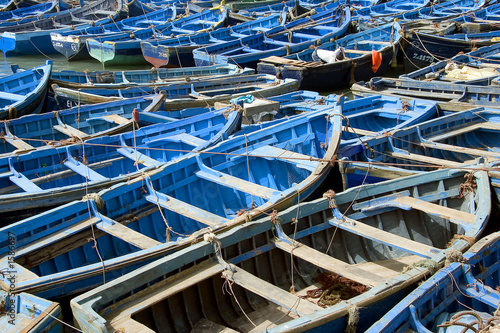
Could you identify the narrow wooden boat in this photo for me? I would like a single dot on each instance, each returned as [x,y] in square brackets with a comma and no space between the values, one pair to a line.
[38,10]
[156,77]
[462,296]
[7,5]
[450,96]
[72,43]
[467,139]
[165,210]
[332,264]
[34,37]
[480,66]
[387,10]
[125,48]
[24,92]
[362,56]
[77,124]
[28,313]
[247,51]
[188,94]
[49,177]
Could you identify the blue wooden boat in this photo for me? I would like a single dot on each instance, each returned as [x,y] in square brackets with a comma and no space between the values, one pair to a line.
[130,78]
[15,15]
[56,175]
[34,37]
[467,139]
[387,10]
[139,7]
[461,294]
[450,96]
[362,56]
[247,51]
[476,67]
[72,44]
[7,5]
[446,10]
[178,51]
[125,48]
[199,93]
[77,124]
[24,92]
[168,208]
[332,264]
[28,313]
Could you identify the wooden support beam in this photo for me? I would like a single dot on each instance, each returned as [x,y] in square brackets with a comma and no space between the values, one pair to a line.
[117,119]
[458,149]
[162,290]
[140,158]
[185,209]
[463,130]
[359,131]
[455,216]
[302,161]
[238,184]
[83,170]
[70,131]
[271,292]
[385,237]
[18,143]
[426,159]
[24,183]
[128,235]
[329,263]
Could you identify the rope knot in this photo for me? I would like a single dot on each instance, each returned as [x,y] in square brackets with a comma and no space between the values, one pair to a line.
[210,237]
[274,217]
[468,186]
[330,194]
[97,199]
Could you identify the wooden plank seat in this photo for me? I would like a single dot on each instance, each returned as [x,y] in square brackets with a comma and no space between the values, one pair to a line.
[465,129]
[24,183]
[384,237]
[302,161]
[70,131]
[425,159]
[122,311]
[126,234]
[237,183]
[403,200]
[291,62]
[138,157]
[11,96]
[329,263]
[358,131]
[183,208]
[18,143]
[458,149]
[357,51]
[83,170]
[270,291]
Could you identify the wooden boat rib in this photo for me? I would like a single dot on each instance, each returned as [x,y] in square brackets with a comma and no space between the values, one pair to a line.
[270,264]
[466,290]
[175,204]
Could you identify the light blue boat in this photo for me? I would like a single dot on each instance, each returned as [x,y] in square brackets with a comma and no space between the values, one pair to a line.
[460,297]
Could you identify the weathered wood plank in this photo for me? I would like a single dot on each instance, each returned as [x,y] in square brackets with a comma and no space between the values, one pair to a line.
[238,184]
[18,143]
[140,158]
[357,51]
[426,159]
[385,237]
[458,149]
[117,119]
[128,235]
[185,209]
[302,161]
[330,264]
[24,183]
[463,130]
[453,215]
[162,290]
[83,170]
[70,131]
[358,131]
[270,292]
